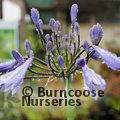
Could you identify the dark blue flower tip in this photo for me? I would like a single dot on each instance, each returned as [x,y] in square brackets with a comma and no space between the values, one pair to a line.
[57,26]
[49,46]
[80,62]
[35,15]
[61,61]
[110,59]
[47,37]
[17,56]
[59,34]
[77,27]
[96,34]
[72,36]
[51,22]
[27,46]
[85,45]
[40,25]
[73,13]
[65,38]
[95,55]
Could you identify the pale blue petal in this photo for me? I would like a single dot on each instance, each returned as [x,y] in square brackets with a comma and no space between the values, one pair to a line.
[110,59]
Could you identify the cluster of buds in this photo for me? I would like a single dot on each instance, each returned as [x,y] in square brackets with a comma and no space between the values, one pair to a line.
[64,55]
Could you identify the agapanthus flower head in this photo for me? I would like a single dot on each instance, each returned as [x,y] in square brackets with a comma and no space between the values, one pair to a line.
[57,26]
[80,62]
[96,34]
[73,13]
[110,59]
[14,79]
[40,25]
[47,37]
[49,46]
[59,34]
[61,61]
[51,22]
[35,16]
[65,38]
[72,36]
[77,27]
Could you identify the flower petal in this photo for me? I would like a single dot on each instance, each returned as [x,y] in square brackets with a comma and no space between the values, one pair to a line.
[14,79]
[110,59]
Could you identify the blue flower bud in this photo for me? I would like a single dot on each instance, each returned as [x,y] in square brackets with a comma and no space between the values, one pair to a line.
[51,22]
[17,56]
[73,13]
[77,27]
[86,45]
[96,34]
[61,61]
[80,62]
[27,46]
[40,25]
[52,36]
[35,16]
[57,26]
[49,46]
[72,36]
[65,38]
[47,37]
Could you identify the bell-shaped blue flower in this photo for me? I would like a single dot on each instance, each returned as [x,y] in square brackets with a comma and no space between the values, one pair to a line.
[14,79]
[90,77]
[110,59]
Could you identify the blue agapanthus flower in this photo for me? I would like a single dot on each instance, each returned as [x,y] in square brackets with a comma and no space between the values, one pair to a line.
[64,56]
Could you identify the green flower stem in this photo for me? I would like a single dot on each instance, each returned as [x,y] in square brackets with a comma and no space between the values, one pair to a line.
[70,109]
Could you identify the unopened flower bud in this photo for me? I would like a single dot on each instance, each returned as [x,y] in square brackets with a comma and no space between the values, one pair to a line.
[96,34]
[72,36]
[47,37]
[40,25]
[51,22]
[57,26]
[73,13]
[49,46]
[86,45]
[77,27]
[61,61]
[35,16]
